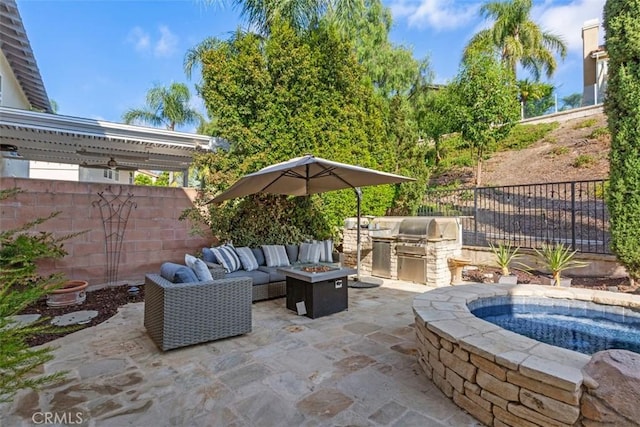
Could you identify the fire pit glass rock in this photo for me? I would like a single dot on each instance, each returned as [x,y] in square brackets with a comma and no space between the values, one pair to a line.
[316,268]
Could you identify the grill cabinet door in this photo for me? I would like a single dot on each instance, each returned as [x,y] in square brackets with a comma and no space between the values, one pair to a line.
[412,269]
[381,262]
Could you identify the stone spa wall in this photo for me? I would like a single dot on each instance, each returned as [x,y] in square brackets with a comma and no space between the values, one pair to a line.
[505,379]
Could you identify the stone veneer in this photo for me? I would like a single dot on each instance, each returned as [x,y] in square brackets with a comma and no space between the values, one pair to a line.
[500,377]
[438,253]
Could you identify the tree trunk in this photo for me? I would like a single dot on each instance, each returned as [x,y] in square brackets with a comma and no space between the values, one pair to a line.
[479,172]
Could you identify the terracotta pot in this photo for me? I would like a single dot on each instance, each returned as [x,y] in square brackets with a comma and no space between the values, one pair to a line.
[71,293]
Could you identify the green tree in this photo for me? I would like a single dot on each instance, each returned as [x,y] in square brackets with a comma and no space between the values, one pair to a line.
[165,106]
[488,104]
[571,101]
[622,106]
[20,286]
[392,68]
[142,179]
[517,39]
[193,57]
[292,94]
[300,15]
[436,110]
[411,156]
[364,23]
[536,97]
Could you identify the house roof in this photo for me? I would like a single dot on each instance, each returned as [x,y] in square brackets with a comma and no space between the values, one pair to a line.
[15,46]
[63,139]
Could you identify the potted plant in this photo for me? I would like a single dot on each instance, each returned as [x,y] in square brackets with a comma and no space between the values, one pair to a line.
[557,258]
[505,254]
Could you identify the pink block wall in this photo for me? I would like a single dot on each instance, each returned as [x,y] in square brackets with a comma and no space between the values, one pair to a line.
[153,233]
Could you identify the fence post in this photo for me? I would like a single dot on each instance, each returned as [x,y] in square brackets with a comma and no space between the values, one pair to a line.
[475,215]
[573,215]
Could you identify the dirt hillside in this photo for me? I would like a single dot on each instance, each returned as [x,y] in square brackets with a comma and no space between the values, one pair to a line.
[577,150]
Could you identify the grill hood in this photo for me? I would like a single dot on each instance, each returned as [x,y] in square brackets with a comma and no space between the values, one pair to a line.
[428,228]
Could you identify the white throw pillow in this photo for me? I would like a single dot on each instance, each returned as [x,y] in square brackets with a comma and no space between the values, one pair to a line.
[247,258]
[198,266]
[275,255]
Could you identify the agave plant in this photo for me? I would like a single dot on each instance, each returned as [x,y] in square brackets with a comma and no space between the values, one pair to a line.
[505,254]
[558,258]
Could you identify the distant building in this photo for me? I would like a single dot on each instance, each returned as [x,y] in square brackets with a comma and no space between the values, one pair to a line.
[595,64]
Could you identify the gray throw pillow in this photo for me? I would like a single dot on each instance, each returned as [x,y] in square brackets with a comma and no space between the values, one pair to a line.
[292,253]
[257,252]
[326,251]
[177,273]
[208,255]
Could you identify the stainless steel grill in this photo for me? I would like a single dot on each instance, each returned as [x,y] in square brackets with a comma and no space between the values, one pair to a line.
[383,231]
[413,237]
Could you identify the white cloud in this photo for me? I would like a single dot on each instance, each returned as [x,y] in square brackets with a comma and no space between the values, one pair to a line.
[167,43]
[566,20]
[165,46]
[139,39]
[436,14]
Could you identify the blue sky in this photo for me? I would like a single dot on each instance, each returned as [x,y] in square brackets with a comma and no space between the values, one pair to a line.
[99,57]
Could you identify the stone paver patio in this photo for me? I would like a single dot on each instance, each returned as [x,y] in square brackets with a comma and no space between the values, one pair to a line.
[356,368]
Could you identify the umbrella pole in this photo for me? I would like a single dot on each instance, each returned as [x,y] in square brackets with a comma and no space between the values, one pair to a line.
[358,198]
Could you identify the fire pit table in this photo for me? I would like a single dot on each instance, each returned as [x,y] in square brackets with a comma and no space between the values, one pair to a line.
[322,290]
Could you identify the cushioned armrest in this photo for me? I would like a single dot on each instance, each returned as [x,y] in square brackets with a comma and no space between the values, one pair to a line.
[217,270]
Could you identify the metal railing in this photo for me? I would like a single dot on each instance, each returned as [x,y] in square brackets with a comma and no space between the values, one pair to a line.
[573,213]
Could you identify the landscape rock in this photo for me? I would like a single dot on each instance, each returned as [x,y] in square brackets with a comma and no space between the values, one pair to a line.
[612,380]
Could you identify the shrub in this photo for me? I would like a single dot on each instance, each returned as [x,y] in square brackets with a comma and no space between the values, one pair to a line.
[558,151]
[599,133]
[266,220]
[522,136]
[505,254]
[558,258]
[584,161]
[621,22]
[585,124]
[601,189]
[20,286]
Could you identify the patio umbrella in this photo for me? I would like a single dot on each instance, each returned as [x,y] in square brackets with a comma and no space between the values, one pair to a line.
[307,175]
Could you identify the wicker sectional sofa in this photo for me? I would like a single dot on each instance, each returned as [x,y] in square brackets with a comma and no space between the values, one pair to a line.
[182,314]
[267,281]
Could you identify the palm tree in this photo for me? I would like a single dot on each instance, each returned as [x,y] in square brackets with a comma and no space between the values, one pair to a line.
[165,106]
[300,14]
[517,39]
[194,56]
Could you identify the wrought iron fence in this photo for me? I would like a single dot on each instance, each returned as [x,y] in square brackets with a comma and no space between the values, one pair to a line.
[573,213]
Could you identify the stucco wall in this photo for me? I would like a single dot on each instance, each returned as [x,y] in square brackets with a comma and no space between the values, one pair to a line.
[153,233]
[12,95]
